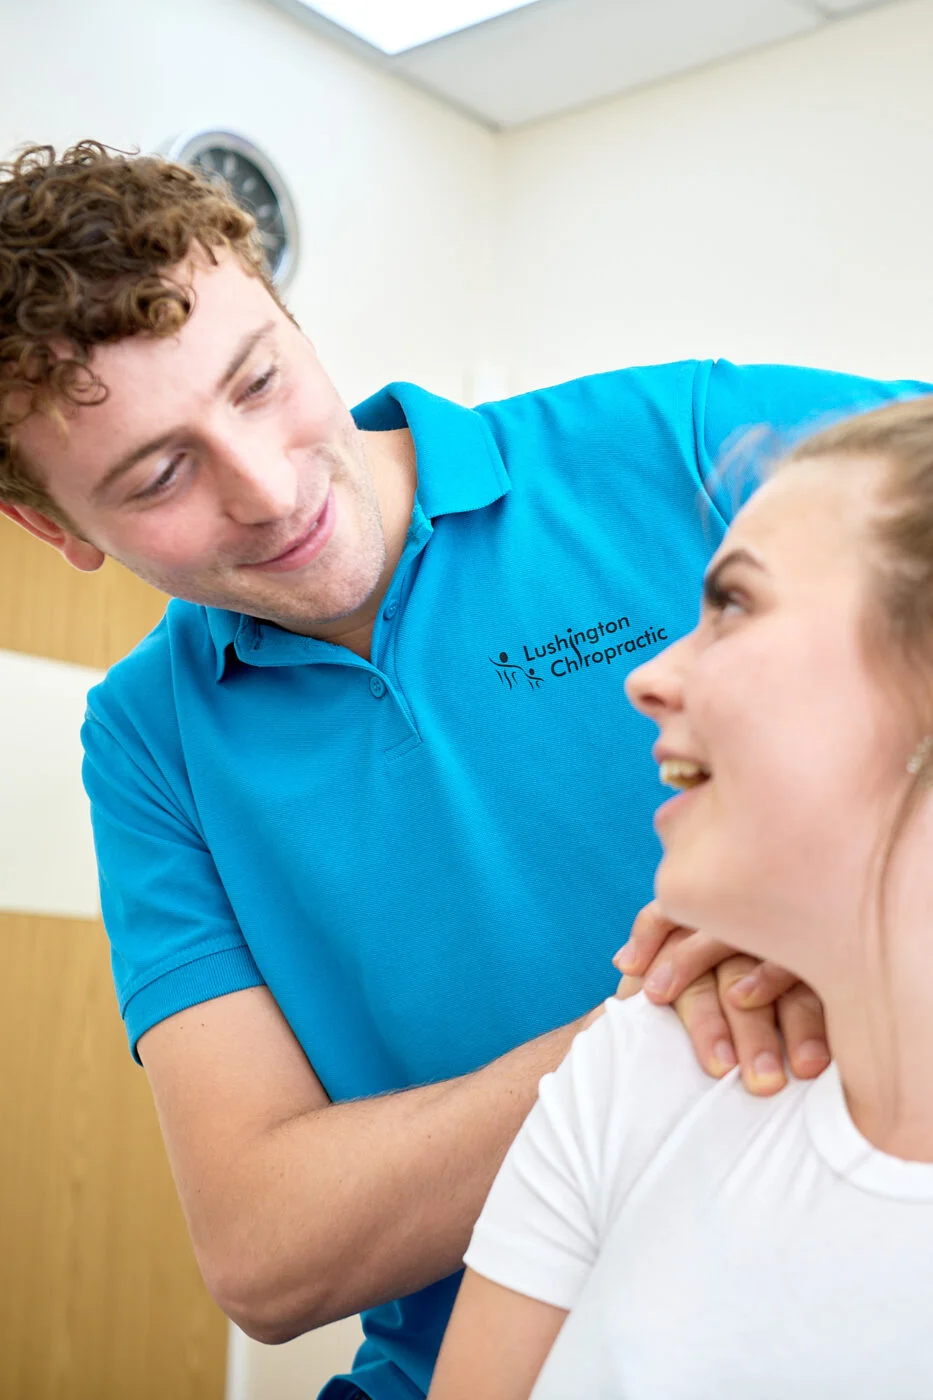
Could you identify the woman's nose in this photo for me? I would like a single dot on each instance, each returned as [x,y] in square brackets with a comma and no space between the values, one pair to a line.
[656,687]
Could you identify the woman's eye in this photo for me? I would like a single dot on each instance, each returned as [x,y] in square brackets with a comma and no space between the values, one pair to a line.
[730,602]
[723,602]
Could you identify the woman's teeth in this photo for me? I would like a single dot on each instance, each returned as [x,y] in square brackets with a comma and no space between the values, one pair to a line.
[680,773]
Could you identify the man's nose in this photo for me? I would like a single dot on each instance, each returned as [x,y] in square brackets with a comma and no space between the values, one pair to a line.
[258,483]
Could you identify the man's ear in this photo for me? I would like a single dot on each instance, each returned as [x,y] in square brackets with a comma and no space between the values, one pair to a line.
[79,553]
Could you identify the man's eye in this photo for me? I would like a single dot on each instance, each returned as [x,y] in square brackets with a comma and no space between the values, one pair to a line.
[163,481]
[260,385]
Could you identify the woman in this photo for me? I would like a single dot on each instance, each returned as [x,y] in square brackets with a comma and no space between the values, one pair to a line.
[656,1235]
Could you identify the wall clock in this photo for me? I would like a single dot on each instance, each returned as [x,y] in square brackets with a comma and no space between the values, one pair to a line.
[256,185]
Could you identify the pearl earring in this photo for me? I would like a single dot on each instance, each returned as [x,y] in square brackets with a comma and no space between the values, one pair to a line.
[919,764]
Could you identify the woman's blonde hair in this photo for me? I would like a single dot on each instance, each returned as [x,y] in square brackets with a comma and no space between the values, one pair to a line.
[897,628]
[898,622]
[900,532]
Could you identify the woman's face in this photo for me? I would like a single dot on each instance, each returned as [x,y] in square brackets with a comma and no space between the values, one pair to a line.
[772,709]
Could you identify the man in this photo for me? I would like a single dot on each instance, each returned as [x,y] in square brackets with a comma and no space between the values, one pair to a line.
[370,808]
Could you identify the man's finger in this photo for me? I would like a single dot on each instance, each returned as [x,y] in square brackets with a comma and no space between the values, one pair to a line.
[649,932]
[628,987]
[700,1010]
[754,1033]
[761,986]
[684,958]
[803,1026]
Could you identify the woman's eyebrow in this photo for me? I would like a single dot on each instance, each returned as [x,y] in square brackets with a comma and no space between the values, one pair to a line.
[735,556]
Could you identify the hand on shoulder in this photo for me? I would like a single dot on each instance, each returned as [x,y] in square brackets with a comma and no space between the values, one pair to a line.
[735,1008]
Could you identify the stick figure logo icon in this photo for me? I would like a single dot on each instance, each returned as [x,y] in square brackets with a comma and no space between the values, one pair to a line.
[511,674]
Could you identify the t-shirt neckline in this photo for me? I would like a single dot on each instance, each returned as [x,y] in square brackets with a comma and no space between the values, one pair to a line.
[850,1155]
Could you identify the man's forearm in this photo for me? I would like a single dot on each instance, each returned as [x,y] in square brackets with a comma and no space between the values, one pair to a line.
[355,1204]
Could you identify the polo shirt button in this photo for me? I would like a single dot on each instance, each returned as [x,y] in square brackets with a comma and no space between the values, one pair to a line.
[390,610]
[378,686]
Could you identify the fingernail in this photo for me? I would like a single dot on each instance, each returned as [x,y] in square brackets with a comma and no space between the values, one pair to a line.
[724,1056]
[624,959]
[745,987]
[660,979]
[812,1052]
[767,1066]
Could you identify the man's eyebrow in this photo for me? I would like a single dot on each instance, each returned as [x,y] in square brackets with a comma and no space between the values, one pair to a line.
[121,467]
[242,353]
[713,575]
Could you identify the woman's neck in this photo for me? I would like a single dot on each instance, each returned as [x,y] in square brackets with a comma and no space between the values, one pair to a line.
[880,1030]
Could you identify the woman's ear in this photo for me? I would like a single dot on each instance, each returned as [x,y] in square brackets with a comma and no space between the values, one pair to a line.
[79,553]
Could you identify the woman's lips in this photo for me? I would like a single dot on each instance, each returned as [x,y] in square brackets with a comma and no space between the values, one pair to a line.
[308,547]
[676,804]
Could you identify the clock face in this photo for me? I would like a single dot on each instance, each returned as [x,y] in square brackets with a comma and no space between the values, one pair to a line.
[255,185]
[252,190]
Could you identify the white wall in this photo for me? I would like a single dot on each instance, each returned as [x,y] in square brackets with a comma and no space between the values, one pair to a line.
[296,1371]
[46,848]
[393,190]
[777,207]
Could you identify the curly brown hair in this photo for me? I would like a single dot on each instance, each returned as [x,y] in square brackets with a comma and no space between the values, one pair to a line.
[88,244]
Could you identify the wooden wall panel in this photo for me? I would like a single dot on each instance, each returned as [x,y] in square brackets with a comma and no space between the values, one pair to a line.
[100,1297]
[47,608]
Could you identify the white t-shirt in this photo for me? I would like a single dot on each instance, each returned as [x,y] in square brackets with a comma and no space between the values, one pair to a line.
[710,1245]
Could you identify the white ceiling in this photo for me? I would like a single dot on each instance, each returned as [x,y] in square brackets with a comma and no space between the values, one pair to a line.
[557,55]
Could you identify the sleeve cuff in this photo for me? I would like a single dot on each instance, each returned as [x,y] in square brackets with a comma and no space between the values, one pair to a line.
[214,975]
[511,1264]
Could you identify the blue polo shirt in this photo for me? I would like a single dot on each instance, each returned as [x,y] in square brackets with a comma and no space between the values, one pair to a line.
[431,856]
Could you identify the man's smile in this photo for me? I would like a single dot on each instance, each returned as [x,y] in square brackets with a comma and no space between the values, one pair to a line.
[307,544]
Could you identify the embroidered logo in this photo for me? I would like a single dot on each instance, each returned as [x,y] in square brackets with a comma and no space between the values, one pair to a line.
[511,674]
[575,650]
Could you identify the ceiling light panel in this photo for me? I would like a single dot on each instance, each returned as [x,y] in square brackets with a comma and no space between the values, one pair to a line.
[404,24]
[846,7]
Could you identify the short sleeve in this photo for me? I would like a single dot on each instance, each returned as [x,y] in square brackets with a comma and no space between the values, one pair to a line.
[174,938]
[541,1228]
[745,416]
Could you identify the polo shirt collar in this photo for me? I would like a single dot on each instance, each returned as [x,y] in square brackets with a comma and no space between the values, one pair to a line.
[460,468]
[223,627]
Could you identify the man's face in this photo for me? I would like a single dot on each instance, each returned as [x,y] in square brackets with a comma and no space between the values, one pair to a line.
[222,467]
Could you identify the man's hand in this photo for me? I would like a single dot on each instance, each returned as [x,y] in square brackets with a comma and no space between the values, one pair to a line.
[735,1008]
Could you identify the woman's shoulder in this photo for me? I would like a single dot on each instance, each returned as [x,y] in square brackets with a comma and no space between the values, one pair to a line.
[634,1080]
[643,1049]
